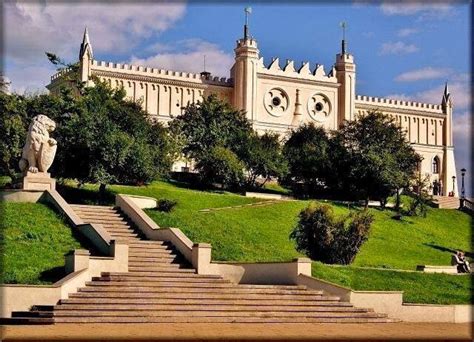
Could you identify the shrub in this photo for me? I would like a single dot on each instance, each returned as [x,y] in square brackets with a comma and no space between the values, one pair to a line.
[166,205]
[323,236]
[221,166]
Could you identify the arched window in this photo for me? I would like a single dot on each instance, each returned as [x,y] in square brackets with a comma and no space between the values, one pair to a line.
[435,165]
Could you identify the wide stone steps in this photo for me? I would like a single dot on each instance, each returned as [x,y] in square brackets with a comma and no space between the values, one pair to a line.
[234,319]
[160,287]
[261,301]
[161,270]
[147,276]
[210,313]
[207,307]
[199,295]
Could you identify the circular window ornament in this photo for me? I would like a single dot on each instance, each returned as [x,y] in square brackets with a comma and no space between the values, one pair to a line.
[319,107]
[276,101]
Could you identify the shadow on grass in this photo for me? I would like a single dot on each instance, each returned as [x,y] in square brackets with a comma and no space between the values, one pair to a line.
[53,275]
[77,195]
[450,250]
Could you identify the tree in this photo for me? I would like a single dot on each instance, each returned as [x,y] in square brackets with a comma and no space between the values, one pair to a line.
[308,152]
[263,157]
[374,158]
[222,166]
[322,236]
[210,123]
[421,196]
[13,129]
[109,140]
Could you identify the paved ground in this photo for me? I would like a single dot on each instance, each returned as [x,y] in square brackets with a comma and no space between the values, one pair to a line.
[240,332]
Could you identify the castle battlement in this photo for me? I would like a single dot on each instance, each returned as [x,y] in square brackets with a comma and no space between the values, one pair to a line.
[155,72]
[395,103]
[60,73]
[303,72]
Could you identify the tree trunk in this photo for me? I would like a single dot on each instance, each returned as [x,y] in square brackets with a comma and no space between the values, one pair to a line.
[367,203]
[102,192]
[397,203]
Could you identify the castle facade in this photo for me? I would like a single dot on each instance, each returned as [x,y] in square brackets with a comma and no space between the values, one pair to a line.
[279,97]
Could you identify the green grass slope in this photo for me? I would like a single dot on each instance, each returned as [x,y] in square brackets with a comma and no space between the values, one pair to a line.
[261,233]
[33,242]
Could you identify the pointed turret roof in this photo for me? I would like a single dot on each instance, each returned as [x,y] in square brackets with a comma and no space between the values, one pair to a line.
[86,45]
[446,93]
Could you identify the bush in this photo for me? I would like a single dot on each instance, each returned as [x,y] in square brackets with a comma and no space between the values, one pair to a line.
[221,166]
[324,237]
[166,205]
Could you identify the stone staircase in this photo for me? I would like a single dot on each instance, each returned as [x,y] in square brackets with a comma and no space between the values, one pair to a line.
[446,202]
[161,287]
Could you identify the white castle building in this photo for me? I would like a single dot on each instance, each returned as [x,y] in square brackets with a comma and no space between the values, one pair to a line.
[280,96]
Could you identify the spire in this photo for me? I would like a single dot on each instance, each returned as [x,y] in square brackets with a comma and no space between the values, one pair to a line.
[248,10]
[446,89]
[446,93]
[343,42]
[86,45]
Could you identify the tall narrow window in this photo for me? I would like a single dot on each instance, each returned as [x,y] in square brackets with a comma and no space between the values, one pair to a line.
[436,165]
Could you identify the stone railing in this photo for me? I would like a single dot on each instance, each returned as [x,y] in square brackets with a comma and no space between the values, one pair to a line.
[467,204]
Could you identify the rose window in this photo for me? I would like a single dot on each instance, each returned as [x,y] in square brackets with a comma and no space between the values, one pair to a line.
[276,101]
[319,107]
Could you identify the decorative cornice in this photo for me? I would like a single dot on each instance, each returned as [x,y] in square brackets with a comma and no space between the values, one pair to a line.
[158,80]
[297,80]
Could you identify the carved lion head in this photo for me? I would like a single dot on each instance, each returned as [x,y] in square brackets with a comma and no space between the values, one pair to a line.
[45,122]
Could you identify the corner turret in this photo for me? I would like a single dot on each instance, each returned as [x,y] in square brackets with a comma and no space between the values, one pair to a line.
[244,72]
[85,58]
[346,76]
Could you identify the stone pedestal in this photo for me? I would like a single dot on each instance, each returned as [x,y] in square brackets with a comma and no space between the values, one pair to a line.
[38,181]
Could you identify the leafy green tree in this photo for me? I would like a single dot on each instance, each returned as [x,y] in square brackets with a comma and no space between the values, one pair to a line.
[308,152]
[109,140]
[421,196]
[211,123]
[373,158]
[322,236]
[222,166]
[13,129]
[263,157]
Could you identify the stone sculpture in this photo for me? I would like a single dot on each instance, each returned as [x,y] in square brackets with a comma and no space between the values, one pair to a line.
[39,149]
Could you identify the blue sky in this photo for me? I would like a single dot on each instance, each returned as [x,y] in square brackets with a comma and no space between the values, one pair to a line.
[402,49]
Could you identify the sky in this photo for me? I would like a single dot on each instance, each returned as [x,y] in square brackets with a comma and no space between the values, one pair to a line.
[402,49]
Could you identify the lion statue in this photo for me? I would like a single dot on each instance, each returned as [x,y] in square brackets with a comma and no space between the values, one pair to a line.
[39,149]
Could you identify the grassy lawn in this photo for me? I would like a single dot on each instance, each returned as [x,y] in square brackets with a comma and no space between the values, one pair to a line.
[261,234]
[33,242]
[418,287]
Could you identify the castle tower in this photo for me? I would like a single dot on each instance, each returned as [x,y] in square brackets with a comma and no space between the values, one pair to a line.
[85,58]
[346,76]
[449,166]
[244,72]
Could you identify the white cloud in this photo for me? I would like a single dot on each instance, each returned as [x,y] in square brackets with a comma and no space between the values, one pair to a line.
[31,28]
[35,27]
[459,88]
[187,55]
[423,10]
[405,32]
[462,135]
[29,79]
[397,48]
[423,74]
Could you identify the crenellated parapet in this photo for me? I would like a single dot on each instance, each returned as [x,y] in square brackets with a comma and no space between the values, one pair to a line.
[304,72]
[138,70]
[398,104]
